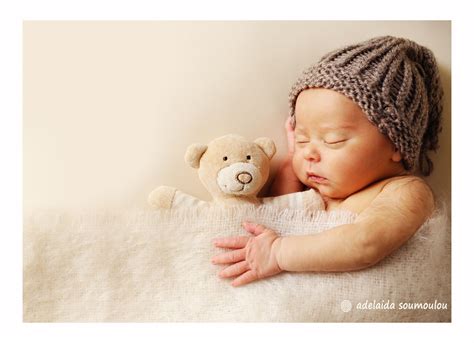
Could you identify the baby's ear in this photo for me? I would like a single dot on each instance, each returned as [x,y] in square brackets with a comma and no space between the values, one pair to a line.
[267,145]
[194,153]
[396,156]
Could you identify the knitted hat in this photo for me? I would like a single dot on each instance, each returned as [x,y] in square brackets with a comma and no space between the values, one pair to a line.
[396,83]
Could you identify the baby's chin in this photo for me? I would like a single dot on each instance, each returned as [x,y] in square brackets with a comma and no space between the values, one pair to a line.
[332,189]
[327,189]
[329,192]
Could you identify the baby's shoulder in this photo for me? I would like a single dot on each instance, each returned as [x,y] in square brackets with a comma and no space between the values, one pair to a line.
[407,194]
[406,197]
[410,187]
[406,184]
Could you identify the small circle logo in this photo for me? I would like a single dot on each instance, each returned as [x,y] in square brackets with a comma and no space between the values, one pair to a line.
[346,306]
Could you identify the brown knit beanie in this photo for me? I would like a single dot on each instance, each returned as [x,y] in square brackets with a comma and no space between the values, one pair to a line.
[396,83]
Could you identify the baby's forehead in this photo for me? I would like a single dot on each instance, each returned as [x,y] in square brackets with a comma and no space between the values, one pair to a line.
[326,107]
[327,124]
[350,120]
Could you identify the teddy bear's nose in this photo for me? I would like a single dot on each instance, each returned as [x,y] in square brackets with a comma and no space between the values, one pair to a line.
[244,177]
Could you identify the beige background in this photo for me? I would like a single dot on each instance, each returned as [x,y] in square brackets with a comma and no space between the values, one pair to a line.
[110,107]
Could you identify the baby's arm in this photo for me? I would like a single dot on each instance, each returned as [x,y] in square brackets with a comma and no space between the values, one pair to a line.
[392,218]
[285,180]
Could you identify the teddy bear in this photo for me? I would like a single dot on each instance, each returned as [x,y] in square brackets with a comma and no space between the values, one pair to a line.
[233,170]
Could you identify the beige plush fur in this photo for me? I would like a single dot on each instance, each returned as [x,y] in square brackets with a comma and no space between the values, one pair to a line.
[233,170]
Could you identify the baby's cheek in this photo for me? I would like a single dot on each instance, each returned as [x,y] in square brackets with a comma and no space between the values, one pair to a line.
[299,168]
[297,163]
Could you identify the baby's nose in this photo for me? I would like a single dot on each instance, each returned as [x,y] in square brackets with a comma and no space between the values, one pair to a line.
[312,154]
[244,177]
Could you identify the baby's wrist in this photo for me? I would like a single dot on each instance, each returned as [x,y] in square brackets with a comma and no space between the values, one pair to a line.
[277,252]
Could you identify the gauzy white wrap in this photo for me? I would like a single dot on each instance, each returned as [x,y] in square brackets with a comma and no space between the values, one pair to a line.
[155,266]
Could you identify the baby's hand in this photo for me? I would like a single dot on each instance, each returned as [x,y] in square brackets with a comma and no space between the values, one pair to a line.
[253,258]
[290,135]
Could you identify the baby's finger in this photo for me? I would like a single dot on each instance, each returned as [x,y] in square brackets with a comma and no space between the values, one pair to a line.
[289,124]
[231,242]
[229,257]
[290,135]
[253,228]
[235,269]
[244,279]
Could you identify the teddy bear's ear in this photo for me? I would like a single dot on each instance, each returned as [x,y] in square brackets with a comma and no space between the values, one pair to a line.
[194,153]
[267,145]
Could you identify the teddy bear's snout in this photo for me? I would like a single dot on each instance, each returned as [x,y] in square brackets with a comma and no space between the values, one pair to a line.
[239,179]
[244,177]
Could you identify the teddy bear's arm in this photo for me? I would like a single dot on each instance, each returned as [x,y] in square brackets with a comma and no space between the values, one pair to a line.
[165,197]
[182,199]
[312,200]
[291,200]
[309,200]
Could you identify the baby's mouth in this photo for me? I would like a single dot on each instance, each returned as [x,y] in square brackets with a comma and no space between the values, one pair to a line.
[316,178]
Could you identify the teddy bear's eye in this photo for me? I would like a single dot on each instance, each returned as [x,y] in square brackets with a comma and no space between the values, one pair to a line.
[248,157]
[225,158]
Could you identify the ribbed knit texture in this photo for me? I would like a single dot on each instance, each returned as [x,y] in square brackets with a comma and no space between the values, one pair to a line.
[396,83]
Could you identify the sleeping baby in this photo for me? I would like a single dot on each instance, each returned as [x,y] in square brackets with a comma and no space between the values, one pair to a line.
[362,121]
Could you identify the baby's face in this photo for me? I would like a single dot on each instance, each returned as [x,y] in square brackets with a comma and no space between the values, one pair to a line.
[337,150]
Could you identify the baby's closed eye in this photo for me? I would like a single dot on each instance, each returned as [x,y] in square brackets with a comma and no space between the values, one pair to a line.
[301,139]
[335,141]
[331,142]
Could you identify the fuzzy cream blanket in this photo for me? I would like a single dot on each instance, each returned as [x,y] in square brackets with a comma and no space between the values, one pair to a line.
[144,266]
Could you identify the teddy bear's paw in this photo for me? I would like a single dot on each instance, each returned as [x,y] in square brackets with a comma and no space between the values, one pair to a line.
[313,201]
[162,197]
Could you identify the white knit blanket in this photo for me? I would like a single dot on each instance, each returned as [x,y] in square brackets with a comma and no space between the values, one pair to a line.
[146,266]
